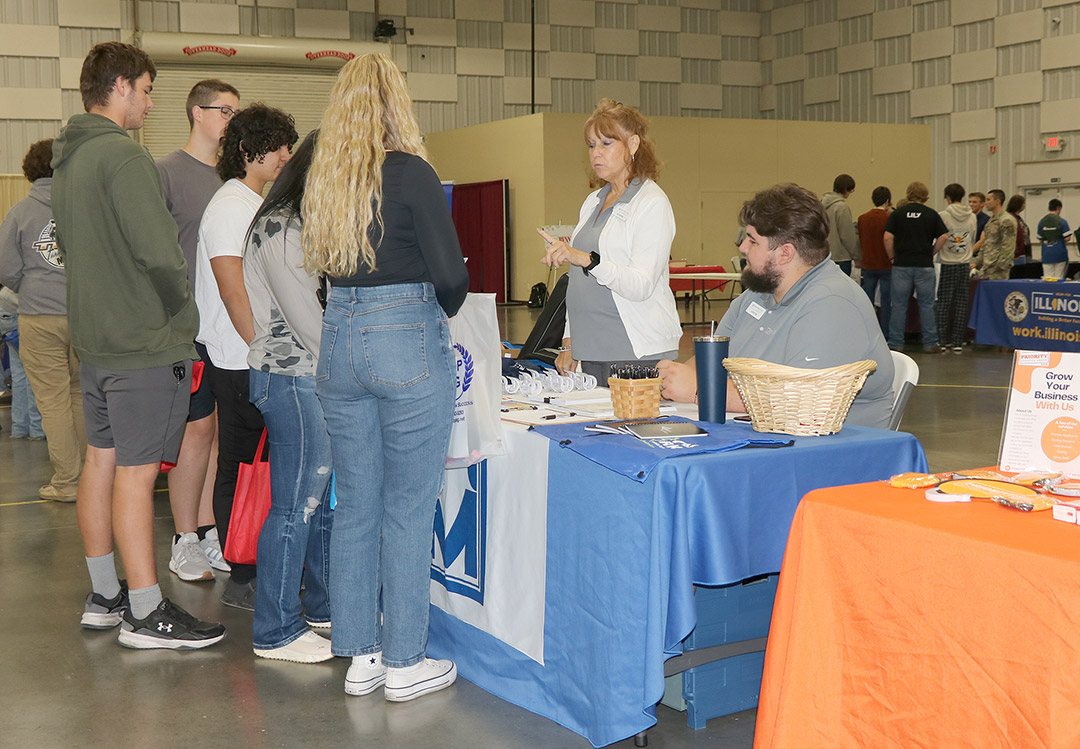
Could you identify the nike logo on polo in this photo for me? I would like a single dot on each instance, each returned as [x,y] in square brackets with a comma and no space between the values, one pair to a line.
[814,358]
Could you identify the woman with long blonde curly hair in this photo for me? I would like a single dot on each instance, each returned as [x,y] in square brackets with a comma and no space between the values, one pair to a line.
[377,224]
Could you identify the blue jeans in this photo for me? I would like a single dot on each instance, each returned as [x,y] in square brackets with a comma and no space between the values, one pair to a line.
[386,379]
[25,417]
[295,539]
[923,281]
[872,280]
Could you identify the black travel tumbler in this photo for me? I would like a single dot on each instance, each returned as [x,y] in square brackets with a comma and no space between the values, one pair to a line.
[710,352]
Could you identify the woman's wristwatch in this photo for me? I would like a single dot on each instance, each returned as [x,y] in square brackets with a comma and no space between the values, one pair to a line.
[593,263]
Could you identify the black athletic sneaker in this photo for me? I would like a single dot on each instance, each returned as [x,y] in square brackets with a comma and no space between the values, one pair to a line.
[168,626]
[105,613]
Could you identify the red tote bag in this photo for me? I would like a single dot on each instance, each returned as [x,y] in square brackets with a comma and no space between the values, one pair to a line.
[251,504]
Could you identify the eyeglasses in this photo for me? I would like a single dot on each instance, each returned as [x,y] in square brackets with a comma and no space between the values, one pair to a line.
[226,111]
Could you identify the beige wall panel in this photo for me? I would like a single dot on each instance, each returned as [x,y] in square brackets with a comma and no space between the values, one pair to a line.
[678,145]
[390,8]
[433,86]
[893,79]
[478,10]
[740,73]
[737,23]
[473,61]
[517,36]
[1058,116]
[627,92]
[970,11]
[767,99]
[704,46]
[658,18]
[974,66]
[1055,3]
[1023,88]
[13,188]
[787,69]
[357,6]
[24,40]
[572,65]
[890,23]
[572,13]
[852,8]
[434,32]
[519,90]
[1017,28]
[900,154]
[837,147]
[739,155]
[322,24]
[1060,52]
[70,71]
[31,103]
[788,19]
[615,41]
[701,96]
[207,18]
[767,47]
[926,45]
[566,176]
[664,69]
[980,124]
[512,150]
[818,90]
[825,36]
[855,57]
[90,13]
[932,100]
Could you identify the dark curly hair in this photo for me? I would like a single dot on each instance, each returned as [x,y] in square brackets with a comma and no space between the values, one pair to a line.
[35,164]
[252,133]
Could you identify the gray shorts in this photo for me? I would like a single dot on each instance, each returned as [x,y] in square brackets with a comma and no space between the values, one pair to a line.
[140,413]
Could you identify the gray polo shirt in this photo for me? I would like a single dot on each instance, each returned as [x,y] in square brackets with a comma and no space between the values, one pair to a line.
[188,185]
[824,320]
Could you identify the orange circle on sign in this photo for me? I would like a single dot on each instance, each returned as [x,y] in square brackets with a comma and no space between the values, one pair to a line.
[1061,440]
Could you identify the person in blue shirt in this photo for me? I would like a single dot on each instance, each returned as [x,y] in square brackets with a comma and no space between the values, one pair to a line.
[1053,230]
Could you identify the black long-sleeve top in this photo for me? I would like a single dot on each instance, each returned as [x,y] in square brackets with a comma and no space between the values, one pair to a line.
[419,242]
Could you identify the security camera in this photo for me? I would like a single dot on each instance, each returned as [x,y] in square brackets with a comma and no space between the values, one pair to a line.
[1055,20]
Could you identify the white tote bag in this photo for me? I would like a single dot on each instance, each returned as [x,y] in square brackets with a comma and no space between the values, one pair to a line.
[477,431]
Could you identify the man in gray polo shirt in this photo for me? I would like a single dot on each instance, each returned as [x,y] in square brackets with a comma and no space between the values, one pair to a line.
[798,309]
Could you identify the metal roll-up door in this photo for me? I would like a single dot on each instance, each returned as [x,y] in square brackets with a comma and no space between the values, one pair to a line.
[302,93]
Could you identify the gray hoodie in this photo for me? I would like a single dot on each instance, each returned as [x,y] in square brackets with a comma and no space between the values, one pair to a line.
[30,262]
[843,239]
[962,225]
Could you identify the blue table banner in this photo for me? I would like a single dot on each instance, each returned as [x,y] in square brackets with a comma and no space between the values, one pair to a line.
[636,459]
[1027,314]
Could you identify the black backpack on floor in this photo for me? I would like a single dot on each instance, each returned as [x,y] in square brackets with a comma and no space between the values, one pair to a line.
[546,337]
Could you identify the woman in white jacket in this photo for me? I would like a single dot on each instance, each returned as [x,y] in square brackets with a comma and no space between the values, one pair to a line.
[620,308]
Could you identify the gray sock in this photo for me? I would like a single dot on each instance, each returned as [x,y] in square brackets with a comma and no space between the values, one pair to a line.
[103,575]
[144,600]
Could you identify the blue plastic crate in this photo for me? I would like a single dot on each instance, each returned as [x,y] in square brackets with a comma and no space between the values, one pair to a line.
[732,612]
[722,687]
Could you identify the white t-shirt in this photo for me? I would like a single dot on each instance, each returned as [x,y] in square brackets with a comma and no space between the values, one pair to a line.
[221,234]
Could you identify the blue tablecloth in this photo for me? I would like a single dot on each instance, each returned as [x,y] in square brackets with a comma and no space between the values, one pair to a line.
[1027,314]
[623,558]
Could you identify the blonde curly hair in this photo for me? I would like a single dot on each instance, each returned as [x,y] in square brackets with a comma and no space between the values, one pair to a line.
[370,112]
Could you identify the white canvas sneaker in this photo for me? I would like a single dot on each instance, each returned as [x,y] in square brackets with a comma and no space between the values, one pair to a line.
[404,684]
[307,648]
[188,561]
[366,674]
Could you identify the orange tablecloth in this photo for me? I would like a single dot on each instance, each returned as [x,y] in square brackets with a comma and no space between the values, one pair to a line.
[900,622]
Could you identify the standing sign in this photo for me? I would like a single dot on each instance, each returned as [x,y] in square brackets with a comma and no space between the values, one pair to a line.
[1042,419]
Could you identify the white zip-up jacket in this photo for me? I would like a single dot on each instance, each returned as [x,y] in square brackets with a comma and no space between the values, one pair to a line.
[635,247]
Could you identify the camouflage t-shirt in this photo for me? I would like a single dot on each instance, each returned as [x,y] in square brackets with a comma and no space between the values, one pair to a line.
[284,307]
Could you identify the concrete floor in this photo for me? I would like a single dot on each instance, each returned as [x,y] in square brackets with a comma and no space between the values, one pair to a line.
[68,687]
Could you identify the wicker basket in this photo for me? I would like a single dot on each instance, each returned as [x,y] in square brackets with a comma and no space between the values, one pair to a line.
[790,400]
[635,399]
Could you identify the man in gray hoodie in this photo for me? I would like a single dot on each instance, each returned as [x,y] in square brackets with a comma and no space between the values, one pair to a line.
[952,292]
[843,239]
[30,264]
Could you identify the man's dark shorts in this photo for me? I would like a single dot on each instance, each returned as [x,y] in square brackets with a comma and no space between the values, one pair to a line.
[139,412]
[202,400]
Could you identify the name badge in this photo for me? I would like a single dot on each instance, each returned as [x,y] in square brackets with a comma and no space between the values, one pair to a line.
[755,310]
[621,212]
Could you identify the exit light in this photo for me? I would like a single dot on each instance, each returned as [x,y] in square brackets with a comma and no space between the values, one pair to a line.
[1054,142]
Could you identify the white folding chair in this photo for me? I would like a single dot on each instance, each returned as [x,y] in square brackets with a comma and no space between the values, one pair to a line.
[905,378]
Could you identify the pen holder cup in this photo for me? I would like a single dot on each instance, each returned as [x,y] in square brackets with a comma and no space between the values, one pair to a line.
[635,399]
